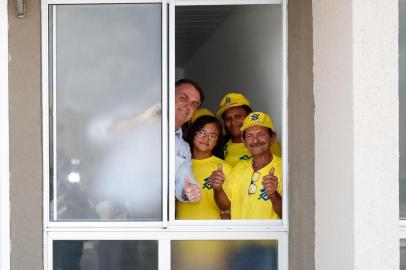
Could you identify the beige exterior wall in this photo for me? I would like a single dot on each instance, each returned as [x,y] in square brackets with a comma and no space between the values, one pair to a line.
[356,134]
[25,137]
[301,136]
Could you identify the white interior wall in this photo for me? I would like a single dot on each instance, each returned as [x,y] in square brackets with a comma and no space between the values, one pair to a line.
[243,55]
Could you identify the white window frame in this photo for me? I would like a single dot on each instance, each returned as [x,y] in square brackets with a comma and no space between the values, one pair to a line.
[168,229]
[4,142]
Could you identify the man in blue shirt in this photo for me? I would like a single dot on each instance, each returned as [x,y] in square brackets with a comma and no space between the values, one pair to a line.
[188,97]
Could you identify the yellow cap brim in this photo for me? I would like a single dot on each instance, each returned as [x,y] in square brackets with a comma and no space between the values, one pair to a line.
[255,124]
[229,106]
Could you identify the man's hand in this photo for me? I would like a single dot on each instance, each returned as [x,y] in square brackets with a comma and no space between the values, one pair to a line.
[192,191]
[270,182]
[217,178]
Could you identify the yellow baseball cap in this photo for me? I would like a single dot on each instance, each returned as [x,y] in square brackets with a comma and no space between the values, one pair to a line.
[200,112]
[257,119]
[232,100]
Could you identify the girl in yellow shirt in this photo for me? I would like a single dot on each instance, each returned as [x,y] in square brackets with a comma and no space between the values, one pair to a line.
[205,138]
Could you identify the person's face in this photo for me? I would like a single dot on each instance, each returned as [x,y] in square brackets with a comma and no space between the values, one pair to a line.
[187,100]
[206,139]
[258,140]
[233,119]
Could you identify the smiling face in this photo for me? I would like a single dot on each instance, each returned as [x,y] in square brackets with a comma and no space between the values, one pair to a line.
[206,139]
[258,140]
[233,119]
[187,100]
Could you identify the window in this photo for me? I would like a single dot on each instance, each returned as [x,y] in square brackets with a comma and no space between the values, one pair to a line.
[108,95]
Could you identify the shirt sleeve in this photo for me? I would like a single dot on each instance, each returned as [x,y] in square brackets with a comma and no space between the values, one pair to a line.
[183,165]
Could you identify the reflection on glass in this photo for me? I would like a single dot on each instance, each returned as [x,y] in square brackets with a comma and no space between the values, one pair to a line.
[224,254]
[108,113]
[402,109]
[105,255]
[402,254]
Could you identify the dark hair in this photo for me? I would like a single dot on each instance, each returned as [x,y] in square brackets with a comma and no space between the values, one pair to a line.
[194,84]
[270,131]
[198,125]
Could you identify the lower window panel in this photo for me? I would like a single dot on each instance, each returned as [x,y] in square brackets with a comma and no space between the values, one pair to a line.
[105,255]
[224,255]
[403,254]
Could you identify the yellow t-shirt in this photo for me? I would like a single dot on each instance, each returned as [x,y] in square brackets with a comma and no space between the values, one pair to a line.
[257,205]
[234,152]
[206,208]
[200,254]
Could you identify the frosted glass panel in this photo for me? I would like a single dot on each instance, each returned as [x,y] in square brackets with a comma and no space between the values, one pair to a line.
[224,255]
[402,108]
[107,98]
[402,254]
[105,255]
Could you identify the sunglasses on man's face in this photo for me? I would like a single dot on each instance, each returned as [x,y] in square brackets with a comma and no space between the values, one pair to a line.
[253,185]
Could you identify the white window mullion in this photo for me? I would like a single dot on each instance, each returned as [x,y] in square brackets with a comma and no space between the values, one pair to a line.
[285,150]
[165,135]
[171,110]
[164,254]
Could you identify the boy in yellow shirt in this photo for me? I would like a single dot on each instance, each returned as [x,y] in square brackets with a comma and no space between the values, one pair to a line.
[234,108]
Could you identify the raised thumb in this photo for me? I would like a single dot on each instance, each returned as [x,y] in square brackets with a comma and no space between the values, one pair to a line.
[220,167]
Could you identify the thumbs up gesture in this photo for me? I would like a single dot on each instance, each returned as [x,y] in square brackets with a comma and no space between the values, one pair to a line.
[217,178]
[270,182]
[192,191]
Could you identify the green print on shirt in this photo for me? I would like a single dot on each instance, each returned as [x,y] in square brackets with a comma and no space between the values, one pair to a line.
[245,157]
[263,196]
[206,184]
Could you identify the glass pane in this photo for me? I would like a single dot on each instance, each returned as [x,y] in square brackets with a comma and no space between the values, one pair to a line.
[237,42]
[105,255]
[403,254]
[402,108]
[225,255]
[108,113]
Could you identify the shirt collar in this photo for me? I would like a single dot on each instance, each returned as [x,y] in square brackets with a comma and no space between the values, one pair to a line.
[179,132]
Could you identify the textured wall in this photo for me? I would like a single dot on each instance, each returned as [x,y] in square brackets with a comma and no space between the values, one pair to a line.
[25,137]
[301,136]
[356,120]
[376,134]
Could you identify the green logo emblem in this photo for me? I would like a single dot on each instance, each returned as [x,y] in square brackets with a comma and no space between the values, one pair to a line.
[263,195]
[206,184]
